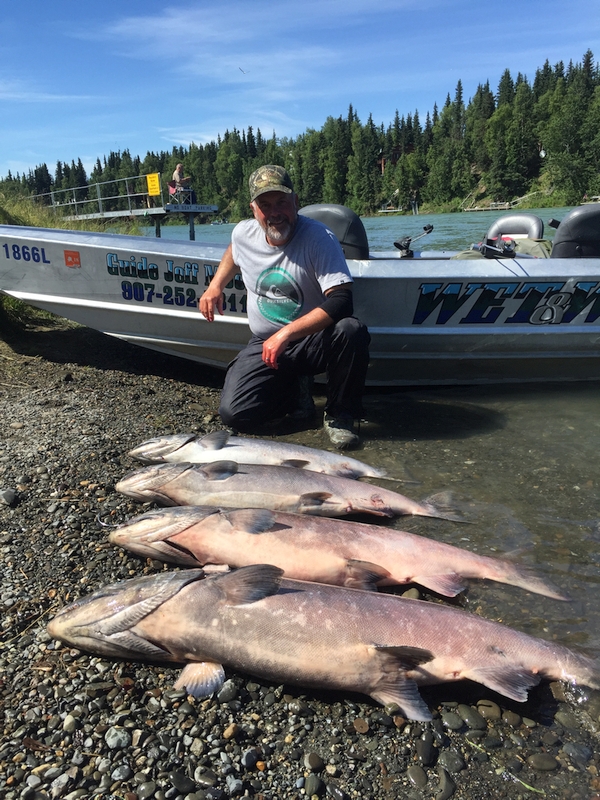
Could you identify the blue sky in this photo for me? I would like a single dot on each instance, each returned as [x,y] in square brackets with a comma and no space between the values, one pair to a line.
[79,79]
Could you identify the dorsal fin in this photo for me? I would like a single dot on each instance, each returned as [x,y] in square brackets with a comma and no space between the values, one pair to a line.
[214,441]
[251,520]
[250,584]
[219,470]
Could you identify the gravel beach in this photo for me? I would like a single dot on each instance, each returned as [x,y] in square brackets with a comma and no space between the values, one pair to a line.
[72,403]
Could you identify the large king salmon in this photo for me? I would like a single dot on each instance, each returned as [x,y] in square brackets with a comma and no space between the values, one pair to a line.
[312,548]
[310,634]
[219,445]
[225,483]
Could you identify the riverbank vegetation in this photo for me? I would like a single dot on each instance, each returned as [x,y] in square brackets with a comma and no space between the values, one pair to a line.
[537,141]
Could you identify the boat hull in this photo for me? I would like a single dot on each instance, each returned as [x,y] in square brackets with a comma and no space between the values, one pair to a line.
[433,319]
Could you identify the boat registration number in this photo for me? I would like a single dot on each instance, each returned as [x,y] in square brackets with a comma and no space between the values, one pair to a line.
[18,252]
[177,296]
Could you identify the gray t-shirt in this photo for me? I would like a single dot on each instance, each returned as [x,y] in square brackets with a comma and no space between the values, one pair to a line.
[284,283]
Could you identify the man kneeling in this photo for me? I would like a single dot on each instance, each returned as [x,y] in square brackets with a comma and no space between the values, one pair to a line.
[300,315]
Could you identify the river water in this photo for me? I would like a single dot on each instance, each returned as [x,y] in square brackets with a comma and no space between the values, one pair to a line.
[521,462]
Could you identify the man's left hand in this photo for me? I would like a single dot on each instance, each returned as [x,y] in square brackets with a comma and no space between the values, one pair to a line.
[273,347]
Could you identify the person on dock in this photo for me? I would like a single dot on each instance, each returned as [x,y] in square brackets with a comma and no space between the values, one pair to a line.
[300,312]
[182,184]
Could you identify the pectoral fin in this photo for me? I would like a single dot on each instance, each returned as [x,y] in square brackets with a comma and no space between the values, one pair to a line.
[363,574]
[513,682]
[298,463]
[201,678]
[449,584]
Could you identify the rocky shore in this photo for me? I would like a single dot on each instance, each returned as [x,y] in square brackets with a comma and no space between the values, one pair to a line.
[72,403]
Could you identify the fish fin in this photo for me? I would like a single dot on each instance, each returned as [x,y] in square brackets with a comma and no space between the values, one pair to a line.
[311,499]
[219,470]
[449,584]
[201,678]
[250,584]
[298,463]
[525,578]
[214,441]
[363,574]
[251,520]
[405,657]
[393,685]
[405,694]
[513,682]
[442,506]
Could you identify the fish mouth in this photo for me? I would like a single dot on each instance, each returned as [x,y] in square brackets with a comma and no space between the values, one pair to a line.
[160,524]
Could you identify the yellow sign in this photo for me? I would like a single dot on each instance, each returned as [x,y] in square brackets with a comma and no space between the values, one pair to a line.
[153,181]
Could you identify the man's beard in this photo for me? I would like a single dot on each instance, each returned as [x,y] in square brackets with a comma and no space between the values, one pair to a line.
[281,233]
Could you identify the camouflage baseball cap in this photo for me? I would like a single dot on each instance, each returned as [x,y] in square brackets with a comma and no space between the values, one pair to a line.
[270,178]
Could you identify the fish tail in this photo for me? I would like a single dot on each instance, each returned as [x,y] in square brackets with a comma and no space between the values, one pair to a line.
[524,578]
[442,506]
[582,669]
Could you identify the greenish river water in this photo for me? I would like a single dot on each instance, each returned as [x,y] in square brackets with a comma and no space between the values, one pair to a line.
[450,231]
[521,461]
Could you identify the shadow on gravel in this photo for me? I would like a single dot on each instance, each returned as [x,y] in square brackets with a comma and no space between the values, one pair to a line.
[64,343]
[392,413]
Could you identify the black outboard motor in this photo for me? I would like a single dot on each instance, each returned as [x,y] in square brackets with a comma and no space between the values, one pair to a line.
[345,224]
[578,234]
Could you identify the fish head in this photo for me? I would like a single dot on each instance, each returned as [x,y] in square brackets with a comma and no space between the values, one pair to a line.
[152,535]
[159,448]
[104,622]
[145,483]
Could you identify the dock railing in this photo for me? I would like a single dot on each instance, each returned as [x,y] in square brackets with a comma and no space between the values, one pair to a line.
[133,196]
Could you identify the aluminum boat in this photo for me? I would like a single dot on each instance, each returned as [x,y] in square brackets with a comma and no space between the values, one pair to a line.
[495,314]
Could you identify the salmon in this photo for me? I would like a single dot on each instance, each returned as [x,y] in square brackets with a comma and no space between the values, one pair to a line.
[221,445]
[311,635]
[226,483]
[311,548]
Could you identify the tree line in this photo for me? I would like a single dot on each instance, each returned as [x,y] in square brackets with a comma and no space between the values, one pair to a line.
[539,137]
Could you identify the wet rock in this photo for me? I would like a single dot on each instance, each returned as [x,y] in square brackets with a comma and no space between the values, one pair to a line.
[542,761]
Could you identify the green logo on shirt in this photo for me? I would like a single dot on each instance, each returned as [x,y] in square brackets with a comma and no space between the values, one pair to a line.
[280,299]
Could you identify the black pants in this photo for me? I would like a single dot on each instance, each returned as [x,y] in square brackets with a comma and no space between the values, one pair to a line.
[255,394]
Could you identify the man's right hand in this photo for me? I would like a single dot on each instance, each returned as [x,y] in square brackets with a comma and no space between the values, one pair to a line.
[213,296]
[210,300]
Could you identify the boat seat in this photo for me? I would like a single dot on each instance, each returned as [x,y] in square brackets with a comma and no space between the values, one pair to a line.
[517,226]
[578,235]
[345,224]
[179,197]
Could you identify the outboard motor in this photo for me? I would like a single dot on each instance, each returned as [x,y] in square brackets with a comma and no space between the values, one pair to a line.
[345,224]
[578,234]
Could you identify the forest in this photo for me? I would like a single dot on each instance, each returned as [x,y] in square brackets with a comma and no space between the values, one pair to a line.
[538,140]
